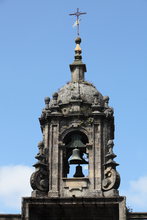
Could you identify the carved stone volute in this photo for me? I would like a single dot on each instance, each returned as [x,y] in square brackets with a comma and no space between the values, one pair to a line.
[39,179]
[111,179]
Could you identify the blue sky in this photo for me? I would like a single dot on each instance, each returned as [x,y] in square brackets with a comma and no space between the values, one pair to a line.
[36,48]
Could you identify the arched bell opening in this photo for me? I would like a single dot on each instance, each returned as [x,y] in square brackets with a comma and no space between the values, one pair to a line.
[75,155]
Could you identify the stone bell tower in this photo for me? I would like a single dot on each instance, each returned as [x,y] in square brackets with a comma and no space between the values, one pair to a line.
[75,174]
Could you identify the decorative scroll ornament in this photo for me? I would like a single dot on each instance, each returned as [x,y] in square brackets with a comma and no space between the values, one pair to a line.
[39,179]
[111,179]
[111,176]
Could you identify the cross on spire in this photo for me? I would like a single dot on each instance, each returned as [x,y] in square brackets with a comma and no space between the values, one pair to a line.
[77,14]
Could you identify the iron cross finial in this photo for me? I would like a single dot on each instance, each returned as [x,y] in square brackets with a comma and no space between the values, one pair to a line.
[77,14]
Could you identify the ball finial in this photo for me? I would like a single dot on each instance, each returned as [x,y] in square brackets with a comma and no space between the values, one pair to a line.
[78,40]
[47,100]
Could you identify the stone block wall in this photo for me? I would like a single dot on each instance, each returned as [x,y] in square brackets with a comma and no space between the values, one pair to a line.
[10,217]
[137,215]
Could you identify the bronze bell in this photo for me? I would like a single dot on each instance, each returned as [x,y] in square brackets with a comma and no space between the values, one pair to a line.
[78,172]
[75,157]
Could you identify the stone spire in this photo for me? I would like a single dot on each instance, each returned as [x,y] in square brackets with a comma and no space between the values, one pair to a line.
[77,67]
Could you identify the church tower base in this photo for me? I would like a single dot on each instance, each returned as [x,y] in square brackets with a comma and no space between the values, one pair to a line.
[112,208]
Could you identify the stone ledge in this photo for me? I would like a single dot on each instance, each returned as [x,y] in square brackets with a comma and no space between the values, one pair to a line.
[10,216]
[137,215]
[73,200]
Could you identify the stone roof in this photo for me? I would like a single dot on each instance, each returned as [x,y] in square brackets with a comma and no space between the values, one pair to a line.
[77,88]
[84,91]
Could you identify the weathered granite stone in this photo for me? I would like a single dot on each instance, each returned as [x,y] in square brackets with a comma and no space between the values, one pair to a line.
[10,217]
[78,128]
[74,208]
[77,90]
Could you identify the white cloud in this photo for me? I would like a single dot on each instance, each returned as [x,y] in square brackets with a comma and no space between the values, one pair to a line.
[14,184]
[137,194]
